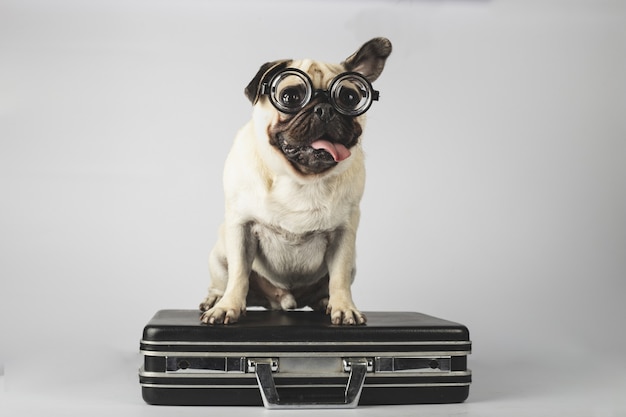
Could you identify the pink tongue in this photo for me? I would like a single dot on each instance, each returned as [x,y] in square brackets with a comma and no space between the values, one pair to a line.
[337,150]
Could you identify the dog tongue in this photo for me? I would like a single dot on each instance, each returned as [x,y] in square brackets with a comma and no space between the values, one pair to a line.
[337,150]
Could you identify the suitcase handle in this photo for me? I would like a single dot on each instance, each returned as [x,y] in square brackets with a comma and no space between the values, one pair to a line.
[271,400]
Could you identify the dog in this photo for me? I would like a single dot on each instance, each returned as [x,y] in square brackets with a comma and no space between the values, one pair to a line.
[293,181]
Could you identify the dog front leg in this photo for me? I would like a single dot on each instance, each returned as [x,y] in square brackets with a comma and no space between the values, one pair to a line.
[241,248]
[342,269]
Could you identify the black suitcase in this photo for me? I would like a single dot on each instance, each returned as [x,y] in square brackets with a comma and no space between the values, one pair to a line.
[297,359]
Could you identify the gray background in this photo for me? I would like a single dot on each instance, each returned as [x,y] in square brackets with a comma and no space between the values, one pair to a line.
[496,191]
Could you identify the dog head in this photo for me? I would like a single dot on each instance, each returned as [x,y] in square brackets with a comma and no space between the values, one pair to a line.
[312,113]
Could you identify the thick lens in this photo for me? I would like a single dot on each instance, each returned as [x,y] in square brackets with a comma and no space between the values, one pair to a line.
[290,91]
[351,94]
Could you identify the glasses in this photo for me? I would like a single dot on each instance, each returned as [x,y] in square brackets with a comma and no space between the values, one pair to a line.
[350,93]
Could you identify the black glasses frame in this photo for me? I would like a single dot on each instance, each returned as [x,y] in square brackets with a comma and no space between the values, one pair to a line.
[269,89]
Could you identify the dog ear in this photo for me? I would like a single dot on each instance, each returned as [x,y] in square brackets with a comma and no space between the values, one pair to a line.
[370,59]
[268,69]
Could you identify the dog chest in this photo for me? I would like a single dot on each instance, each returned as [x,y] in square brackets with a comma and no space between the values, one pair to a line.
[297,208]
[283,254]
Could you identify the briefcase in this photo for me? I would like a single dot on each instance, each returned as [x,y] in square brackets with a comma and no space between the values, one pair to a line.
[298,359]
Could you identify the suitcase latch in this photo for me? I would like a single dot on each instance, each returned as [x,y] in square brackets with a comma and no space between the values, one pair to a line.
[200,364]
[399,364]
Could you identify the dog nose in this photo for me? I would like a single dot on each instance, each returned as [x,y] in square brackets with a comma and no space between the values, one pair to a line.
[324,111]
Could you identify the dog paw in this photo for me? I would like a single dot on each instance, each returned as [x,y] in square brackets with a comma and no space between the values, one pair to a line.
[210,301]
[347,315]
[223,313]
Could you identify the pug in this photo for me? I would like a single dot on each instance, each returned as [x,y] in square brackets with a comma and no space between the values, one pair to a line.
[293,181]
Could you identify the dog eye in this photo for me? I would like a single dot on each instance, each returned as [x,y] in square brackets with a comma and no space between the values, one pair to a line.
[349,97]
[291,97]
[351,94]
[290,91]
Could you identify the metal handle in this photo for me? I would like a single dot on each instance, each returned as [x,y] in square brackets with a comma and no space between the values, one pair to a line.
[271,400]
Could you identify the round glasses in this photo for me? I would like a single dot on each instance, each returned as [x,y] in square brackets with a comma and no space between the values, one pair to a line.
[350,93]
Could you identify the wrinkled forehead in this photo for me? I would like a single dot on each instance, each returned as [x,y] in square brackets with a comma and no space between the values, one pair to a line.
[321,73]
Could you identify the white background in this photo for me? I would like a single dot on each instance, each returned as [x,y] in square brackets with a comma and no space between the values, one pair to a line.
[496,191]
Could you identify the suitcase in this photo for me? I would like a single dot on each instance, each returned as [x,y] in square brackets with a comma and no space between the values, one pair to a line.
[298,359]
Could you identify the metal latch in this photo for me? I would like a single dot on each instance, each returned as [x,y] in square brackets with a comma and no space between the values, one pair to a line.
[201,364]
[413,364]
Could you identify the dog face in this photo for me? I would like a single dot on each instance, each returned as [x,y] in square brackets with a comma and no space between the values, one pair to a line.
[313,112]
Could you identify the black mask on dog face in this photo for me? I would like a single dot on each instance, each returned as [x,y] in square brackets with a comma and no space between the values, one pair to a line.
[290,90]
